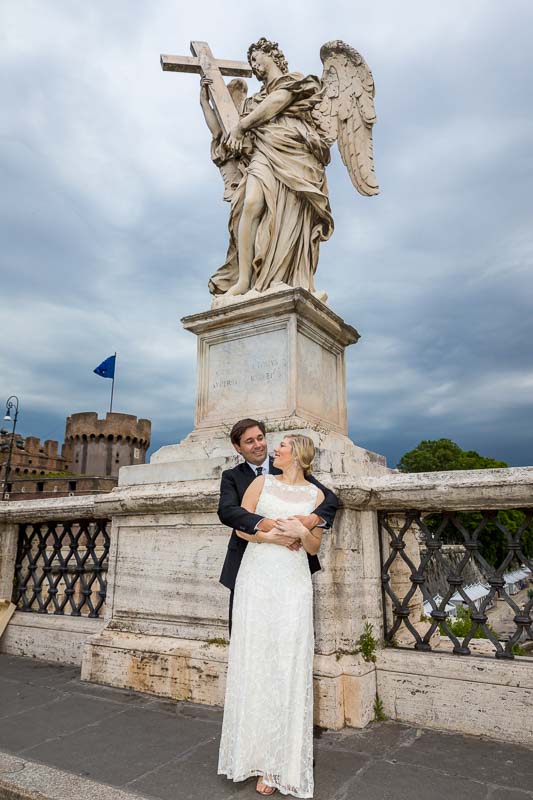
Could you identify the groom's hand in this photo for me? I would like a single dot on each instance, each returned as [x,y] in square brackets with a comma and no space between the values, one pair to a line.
[310,521]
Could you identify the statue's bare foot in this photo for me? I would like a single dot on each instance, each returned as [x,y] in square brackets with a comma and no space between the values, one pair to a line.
[239,288]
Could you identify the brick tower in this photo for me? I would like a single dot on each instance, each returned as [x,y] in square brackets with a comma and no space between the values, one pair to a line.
[102,446]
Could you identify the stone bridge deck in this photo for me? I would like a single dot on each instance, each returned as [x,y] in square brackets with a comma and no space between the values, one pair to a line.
[62,738]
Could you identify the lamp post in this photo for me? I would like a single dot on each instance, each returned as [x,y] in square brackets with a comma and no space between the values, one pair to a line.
[11,404]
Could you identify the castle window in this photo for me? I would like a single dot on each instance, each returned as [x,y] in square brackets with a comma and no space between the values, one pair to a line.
[72,486]
[40,486]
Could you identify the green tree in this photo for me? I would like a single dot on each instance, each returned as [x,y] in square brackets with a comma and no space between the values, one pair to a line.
[462,625]
[442,454]
[439,455]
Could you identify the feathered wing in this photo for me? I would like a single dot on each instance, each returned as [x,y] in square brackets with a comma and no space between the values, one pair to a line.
[347,112]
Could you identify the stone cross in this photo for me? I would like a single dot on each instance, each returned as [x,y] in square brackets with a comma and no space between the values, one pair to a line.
[204,63]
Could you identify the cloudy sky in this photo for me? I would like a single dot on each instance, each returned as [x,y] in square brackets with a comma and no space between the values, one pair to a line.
[112,216]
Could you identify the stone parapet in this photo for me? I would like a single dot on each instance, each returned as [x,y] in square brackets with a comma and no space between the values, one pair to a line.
[474,695]
[165,625]
[465,490]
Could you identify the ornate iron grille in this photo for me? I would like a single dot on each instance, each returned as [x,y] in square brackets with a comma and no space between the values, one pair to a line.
[61,567]
[410,541]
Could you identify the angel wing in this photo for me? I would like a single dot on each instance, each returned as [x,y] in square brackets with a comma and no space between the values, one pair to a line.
[347,112]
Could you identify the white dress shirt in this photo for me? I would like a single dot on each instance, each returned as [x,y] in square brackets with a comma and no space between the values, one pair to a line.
[265,465]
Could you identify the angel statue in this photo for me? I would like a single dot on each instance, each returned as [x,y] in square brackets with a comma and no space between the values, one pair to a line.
[273,163]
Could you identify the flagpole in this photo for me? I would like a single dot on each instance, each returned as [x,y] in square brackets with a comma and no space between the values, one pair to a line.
[113,385]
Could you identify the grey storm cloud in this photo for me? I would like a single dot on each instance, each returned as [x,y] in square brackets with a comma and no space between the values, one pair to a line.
[112,216]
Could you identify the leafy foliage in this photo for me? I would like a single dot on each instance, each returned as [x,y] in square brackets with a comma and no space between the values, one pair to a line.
[367,643]
[492,540]
[442,454]
[461,626]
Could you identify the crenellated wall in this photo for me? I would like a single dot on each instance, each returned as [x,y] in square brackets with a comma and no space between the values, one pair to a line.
[29,455]
[101,447]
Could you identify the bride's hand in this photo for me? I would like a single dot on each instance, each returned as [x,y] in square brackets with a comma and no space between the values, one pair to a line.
[277,536]
[292,526]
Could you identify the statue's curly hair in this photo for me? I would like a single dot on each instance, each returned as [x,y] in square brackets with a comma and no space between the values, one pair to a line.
[272,49]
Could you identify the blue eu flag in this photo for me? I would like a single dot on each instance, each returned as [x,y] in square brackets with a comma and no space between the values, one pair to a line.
[107,368]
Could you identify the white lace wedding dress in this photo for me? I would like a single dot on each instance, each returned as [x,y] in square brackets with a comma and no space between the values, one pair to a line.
[268,711]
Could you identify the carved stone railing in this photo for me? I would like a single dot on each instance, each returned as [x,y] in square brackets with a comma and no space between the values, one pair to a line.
[62,553]
[54,556]
[164,623]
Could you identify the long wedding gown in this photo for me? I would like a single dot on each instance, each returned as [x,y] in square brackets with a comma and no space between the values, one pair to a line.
[268,711]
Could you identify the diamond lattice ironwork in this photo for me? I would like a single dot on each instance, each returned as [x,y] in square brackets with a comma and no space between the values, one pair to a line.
[506,536]
[61,567]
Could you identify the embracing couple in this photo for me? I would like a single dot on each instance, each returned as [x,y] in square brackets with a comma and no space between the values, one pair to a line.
[268,711]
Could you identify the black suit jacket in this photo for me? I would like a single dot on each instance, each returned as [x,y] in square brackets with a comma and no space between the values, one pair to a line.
[233,485]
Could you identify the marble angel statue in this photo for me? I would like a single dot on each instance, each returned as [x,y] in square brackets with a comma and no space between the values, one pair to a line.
[273,163]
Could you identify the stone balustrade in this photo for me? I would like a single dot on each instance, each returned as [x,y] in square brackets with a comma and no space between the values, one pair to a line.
[164,623]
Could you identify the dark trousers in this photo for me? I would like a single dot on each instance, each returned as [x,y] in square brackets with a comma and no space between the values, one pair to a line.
[230,610]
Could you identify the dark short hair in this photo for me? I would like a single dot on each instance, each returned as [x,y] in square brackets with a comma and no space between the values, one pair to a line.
[242,425]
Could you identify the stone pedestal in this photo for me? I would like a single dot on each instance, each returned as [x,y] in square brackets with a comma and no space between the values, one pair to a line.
[278,357]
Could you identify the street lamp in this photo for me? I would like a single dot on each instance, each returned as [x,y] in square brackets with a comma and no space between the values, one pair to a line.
[11,404]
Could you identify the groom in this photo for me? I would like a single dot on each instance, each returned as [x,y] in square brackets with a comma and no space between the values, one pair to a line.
[248,437]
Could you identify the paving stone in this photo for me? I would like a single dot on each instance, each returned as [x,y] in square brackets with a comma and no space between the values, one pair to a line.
[89,736]
[19,697]
[122,747]
[65,715]
[499,763]
[33,671]
[121,696]
[192,776]
[334,769]
[376,738]
[387,781]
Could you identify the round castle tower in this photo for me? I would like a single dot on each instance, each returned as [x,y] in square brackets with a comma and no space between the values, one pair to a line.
[102,446]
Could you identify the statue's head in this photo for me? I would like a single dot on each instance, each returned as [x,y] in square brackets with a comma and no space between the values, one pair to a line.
[272,50]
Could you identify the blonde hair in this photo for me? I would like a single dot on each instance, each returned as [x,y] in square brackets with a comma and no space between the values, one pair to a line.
[303,449]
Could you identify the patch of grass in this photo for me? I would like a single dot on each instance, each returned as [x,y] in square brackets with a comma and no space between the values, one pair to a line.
[220,642]
[340,653]
[379,712]
[368,643]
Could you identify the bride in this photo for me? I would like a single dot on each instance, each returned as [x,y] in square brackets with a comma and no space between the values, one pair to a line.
[268,712]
